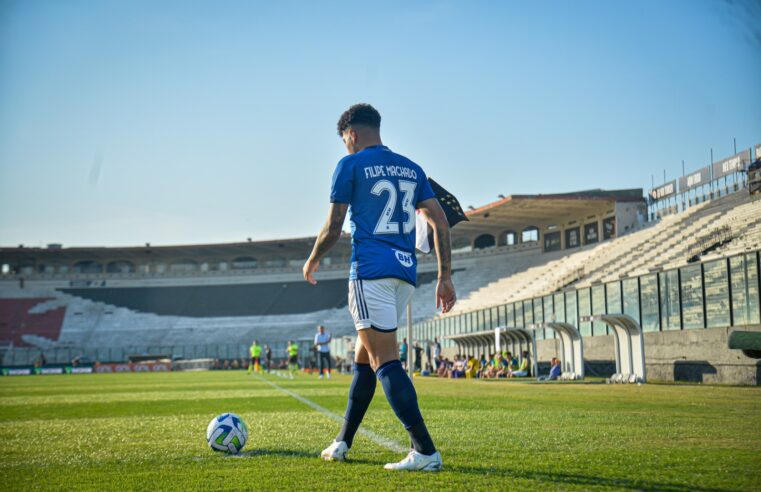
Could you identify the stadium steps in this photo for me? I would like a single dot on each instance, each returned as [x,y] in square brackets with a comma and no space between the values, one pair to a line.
[671,232]
[744,222]
[663,252]
[60,300]
[526,276]
[675,252]
[627,248]
[634,245]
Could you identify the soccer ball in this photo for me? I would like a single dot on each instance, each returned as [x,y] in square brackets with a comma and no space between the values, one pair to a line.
[227,433]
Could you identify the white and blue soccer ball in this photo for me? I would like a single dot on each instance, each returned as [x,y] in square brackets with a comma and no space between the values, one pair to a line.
[227,433]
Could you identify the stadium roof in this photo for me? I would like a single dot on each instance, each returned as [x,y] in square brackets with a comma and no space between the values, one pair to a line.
[512,212]
[256,249]
[541,210]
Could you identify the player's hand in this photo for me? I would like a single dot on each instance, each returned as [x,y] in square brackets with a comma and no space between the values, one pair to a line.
[310,267]
[445,295]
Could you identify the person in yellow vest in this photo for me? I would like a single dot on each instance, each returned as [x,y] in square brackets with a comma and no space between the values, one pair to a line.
[471,369]
[522,370]
[256,354]
[293,357]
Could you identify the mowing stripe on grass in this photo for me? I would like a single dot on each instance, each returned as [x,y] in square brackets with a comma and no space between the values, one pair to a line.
[376,438]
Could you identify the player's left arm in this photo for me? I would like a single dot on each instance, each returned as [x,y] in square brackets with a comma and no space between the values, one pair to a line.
[326,239]
[445,292]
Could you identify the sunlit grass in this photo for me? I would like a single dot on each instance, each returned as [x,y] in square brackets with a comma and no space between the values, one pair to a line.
[146,431]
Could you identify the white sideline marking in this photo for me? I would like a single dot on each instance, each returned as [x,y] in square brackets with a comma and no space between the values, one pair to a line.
[376,438]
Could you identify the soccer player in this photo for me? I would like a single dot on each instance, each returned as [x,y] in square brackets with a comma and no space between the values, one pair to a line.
[382,189]
[256,355]
[322,341]
[293,357]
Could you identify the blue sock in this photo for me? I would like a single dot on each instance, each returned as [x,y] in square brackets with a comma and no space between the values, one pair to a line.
[402,397]
[361,394]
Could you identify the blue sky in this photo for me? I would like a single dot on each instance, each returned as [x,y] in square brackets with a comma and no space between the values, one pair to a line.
[125,122]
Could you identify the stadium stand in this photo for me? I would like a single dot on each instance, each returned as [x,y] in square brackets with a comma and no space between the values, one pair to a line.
[22,318]
[144,302]
[664,244]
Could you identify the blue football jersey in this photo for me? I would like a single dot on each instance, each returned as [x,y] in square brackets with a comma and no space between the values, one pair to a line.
[382,189]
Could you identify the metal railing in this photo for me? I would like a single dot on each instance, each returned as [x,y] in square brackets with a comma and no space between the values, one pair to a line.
[709,294]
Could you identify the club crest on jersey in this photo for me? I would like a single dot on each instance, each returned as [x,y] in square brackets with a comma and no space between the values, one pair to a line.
[404,258]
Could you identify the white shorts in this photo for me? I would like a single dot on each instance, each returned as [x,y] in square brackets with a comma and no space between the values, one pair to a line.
[378,303]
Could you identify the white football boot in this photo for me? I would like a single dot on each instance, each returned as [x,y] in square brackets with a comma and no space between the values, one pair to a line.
[417,462]
[335,452]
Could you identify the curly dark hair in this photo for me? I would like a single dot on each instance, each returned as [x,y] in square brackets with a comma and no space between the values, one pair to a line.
[359,114]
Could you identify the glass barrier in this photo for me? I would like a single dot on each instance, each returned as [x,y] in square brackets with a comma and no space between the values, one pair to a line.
[599,307]
[538,317]
[559,304]
[651,313]
[716,293]
[630,287]
[585,309]
[510,315]
[692,297]
[572,308]
[744,286]
[669,290]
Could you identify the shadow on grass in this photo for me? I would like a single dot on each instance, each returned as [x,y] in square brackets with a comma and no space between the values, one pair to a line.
[582,480]
[295,453]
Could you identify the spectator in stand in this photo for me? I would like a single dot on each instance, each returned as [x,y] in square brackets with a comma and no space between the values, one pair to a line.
[403,353]
[486,371]
[502,366]
[441,371]
[428,357]
[555,371]
[522,371]
[483,365]
[510,361]
[458,371]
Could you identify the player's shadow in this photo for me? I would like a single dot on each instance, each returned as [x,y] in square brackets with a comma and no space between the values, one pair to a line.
[294,453]
[581,480]
[288,453]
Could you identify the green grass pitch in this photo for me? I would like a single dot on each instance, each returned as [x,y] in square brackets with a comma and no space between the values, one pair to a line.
[147,432]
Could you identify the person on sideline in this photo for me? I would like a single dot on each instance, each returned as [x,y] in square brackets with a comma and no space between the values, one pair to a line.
[268,357]
[293,357]
[322,342]
[256,355]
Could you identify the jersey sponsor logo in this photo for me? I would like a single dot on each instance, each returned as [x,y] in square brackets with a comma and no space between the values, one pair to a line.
[404,258]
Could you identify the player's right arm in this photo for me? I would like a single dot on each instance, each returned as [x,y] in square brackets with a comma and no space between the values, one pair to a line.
[340,197]
[327,238]
[445,293]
